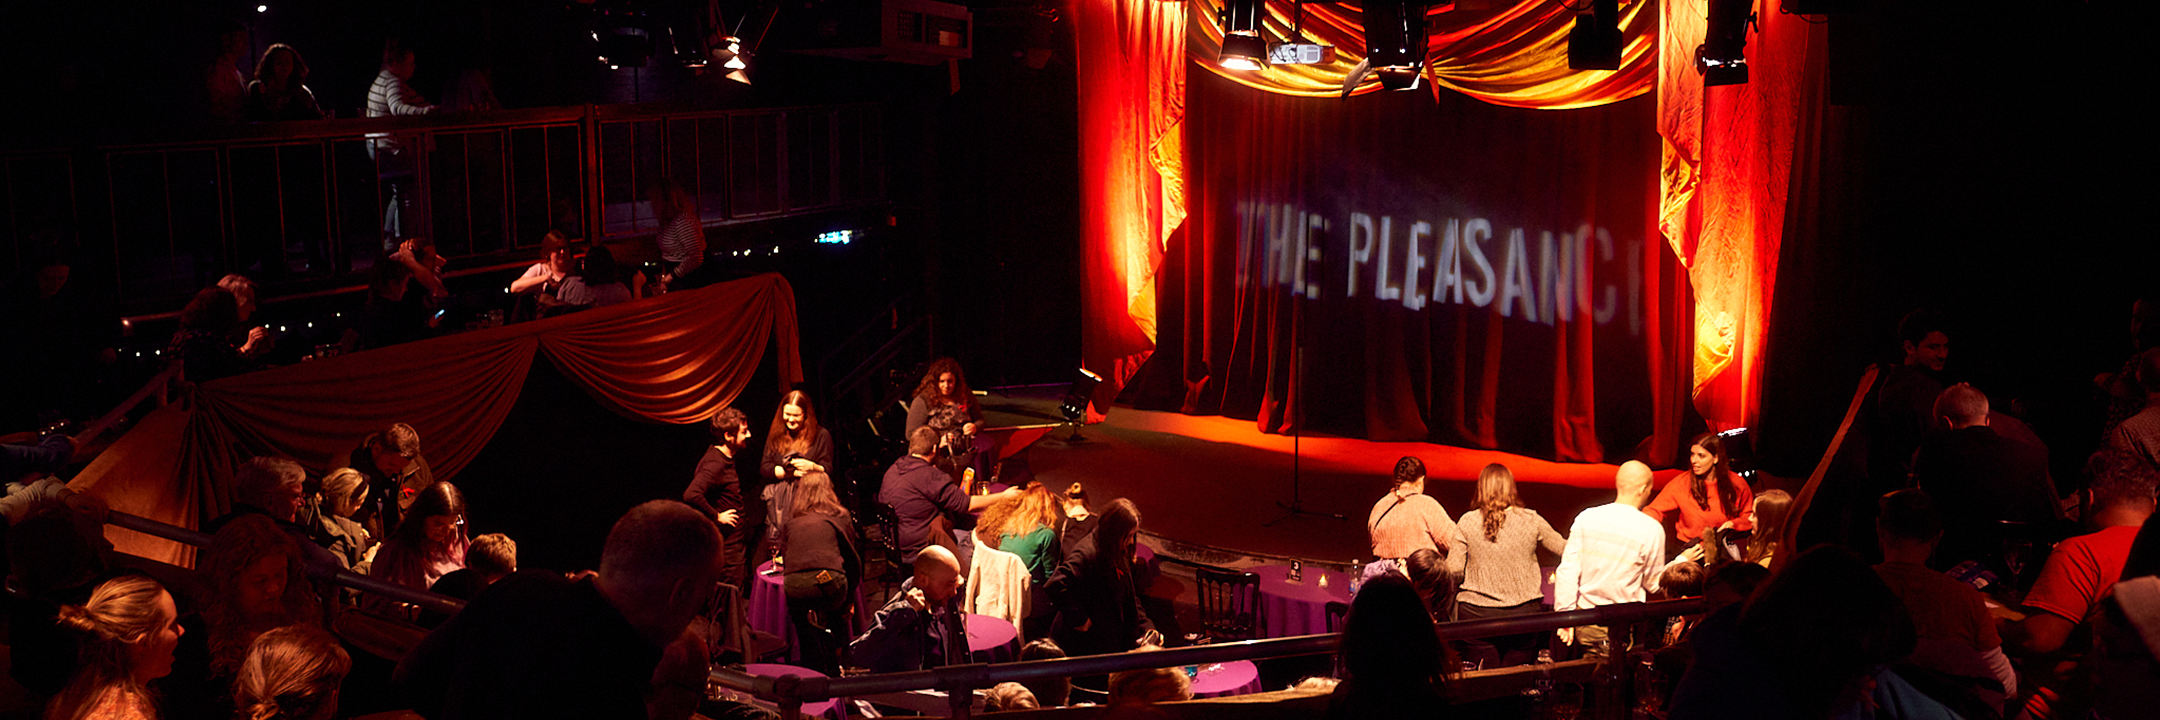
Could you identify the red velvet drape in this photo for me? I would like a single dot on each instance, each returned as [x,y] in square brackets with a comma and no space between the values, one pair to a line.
[677,358]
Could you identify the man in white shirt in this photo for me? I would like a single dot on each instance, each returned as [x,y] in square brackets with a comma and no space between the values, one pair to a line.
[1614,553]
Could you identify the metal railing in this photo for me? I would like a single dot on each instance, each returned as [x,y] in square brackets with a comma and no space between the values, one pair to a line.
[301,205]
[333,574]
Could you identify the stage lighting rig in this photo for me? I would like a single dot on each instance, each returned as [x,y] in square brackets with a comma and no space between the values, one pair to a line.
[1594,43]
[1394,44]
[1242,46]
[1722,56]
[1074,405]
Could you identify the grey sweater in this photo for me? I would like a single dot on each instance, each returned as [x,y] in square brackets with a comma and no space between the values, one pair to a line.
[1501,572]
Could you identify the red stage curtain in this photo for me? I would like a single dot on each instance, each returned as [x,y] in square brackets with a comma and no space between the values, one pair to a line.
[678,358]
[1736,157]
[1514,56]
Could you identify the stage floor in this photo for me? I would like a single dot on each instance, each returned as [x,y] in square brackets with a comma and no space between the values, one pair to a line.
[1216,482]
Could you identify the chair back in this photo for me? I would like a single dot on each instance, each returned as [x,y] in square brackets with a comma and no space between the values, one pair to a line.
[1229,603]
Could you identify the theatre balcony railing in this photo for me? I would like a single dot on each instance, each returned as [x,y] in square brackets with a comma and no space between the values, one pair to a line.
[305,207]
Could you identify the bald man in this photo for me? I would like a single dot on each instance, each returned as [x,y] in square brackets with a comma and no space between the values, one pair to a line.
[1980,477]
[1614,553]
[911,631]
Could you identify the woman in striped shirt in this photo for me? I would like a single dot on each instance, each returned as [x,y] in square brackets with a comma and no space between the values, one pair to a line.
[682,236]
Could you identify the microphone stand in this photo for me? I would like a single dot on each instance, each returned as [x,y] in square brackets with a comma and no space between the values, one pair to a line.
[1296,506]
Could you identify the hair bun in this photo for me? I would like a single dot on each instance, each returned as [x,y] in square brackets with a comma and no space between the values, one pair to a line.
[79,619]
[264,710]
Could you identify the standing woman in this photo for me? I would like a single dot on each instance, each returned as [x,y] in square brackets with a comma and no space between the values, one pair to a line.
[1707,495]
[1408,520]
[129,629]
[818,543]
[1098,607]
[279,91]
[429,544]
[795,446]
[682,235]
[944,402]
[1494,551]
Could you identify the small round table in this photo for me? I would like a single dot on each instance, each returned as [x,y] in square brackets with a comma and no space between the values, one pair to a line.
[768,605]
[1237,677]
[991,640]
[1294,609]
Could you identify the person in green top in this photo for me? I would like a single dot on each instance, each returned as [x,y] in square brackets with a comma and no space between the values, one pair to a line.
[1024,526]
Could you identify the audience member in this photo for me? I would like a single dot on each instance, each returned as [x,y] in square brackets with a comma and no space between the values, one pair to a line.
[1391,656]
[245,294]
[393,313]
[1980,478]
[128,630]
[1408,520]
[1759,545]
[1077,521]
[2083,567]
[823,567]
[27,461]
[716,490]
[2139,434]
[344,491]
[1149,686]
[291,673]
[2125,661]
[795,445]
[920,627]
[256,583]
[1494,550]
[1026,525]
[280,91]
[489,558]
[223,84]
[548,274]
[2124,394]
[1427,572]
[1707,495]
[203,346]
[1098,606]
[275,487]
[682,234]
[537,644]
[62,333]
[391,96]
[1680,580]
[1614,554]
[429,544]
[396,473]
[926,504]
[597,284]
[1009,696]
[944,403]
[1053,691]
[1904,406]
[1956,634]
[56,557]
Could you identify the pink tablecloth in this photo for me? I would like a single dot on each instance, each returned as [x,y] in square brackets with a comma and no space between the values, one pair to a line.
[768,608]
[991,639]
[1293,609]
[1237,677]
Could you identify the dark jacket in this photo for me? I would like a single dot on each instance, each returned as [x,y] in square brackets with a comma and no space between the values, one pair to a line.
[533,645]
[715,487]
[1090,588]
[1979,478]
[902,638]
[821,542]
[918,492]
[779,494]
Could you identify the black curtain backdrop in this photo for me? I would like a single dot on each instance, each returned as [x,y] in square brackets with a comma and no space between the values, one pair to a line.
[1456,272]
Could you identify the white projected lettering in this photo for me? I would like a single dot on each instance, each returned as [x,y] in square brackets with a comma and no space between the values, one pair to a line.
[1555,277]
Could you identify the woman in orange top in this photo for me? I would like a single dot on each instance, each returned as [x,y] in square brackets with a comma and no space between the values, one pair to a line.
[1707,495]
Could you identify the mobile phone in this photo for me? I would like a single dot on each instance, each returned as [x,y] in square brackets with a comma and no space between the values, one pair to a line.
[439,313]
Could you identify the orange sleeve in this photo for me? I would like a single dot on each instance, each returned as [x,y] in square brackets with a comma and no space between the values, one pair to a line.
[1666,502]
[1747,503]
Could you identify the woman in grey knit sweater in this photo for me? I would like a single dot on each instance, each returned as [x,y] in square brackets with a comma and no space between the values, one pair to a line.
[1494,552]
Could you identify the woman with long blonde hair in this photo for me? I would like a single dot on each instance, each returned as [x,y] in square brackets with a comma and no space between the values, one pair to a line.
[1494,550]
[1024,526]
[128,631]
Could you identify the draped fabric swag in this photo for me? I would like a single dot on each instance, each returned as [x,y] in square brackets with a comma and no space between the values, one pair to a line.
[677,358]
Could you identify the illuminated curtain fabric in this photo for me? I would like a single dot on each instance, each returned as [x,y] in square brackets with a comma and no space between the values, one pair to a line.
[1514,56]
[678,358]
[1132,104]
[1735,159]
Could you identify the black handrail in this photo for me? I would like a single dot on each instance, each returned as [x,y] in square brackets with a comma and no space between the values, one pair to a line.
[335,575]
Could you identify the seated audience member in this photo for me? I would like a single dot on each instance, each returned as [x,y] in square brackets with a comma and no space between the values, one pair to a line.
[823,567]
[127,632]
[921,626]
[1049,692]
[1979,478]
[344,490]
[47,456]
[1809,644]
[256,583]
[920,495]
[944,403]
[1408,520]
[396,473]
[1680,580]
[1494,551]
[291,673]
[1149,686]
[795,445]
[2124,395]
[1026,526]
[275,487]
[548,274]
[1427,572]
[430,543]
[393,313]
[203,345]
[2082,568]
[56,557]
[597,284]
[1767,516]
[2125,660]
[279,90]
[2139,435]
[1076,522]
[491,557]
[1707,495]
[538,644]
[1613,555]
[1009,696]
[716,487]
[1098,606]
[1391,655]
[1956,634]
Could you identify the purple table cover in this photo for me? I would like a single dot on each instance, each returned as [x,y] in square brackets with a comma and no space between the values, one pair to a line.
[1293,609]
[768,608]
[1237,677]
[991,639]
[775,670]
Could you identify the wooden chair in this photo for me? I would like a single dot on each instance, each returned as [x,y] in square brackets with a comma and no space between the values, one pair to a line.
[1229,603]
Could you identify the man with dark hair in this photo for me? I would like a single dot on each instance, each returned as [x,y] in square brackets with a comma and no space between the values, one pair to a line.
[1407,520]
[1905,401]
[919,493]
[716,489]
[1957,635]
[396,473]
[2082,568]
[537,644]
[1981,478]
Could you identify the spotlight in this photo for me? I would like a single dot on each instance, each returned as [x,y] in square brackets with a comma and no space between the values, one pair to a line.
[1400,78]
[1594,43]
[1075,404]
[262,8]
[1242,46]
[1395,42]
[1722,56]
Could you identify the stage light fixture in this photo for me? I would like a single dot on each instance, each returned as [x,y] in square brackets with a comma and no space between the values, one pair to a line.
[1242,46]
[1395,42]
[1594,42]
[1722,56]
[1074,406]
